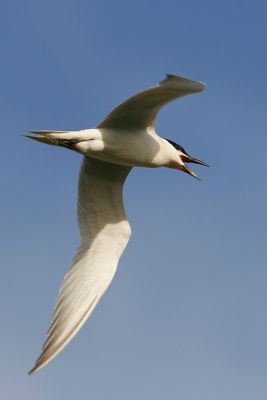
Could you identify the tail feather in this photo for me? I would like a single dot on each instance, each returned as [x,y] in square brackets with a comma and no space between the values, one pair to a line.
[53,138]
[43,139]
[67,139]
[45,132]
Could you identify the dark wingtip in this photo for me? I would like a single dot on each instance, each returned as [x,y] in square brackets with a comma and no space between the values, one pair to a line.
[38,365]
[31,372]
[196,86]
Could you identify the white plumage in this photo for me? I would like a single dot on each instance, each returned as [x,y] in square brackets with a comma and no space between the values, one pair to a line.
[124,139]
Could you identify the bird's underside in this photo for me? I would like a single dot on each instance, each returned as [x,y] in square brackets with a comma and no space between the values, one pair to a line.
[104,228]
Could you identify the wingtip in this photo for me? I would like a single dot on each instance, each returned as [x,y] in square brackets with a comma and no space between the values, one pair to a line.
[34,369]
[40,363]
[195,85]
[31,372]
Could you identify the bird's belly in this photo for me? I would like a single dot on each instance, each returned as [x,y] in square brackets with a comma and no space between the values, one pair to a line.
[128,148]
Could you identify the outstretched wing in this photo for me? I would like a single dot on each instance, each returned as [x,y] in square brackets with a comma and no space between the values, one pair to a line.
[105,232]
[140,111]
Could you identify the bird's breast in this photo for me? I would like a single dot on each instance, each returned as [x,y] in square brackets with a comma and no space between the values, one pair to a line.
[131,148]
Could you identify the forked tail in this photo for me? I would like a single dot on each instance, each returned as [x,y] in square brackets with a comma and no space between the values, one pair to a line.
[55,138]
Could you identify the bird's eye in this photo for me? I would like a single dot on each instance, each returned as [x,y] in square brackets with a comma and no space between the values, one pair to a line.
[176,146]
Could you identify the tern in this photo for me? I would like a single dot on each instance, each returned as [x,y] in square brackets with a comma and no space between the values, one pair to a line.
[124,139]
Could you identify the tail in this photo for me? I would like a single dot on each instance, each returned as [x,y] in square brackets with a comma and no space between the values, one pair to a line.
[55,138]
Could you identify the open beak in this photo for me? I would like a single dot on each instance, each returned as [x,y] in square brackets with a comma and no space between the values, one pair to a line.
[188,159]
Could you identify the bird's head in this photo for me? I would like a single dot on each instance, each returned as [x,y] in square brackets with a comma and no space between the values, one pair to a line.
[183,158]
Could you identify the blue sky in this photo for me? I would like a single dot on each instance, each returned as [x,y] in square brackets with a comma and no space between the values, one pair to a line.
[185,316]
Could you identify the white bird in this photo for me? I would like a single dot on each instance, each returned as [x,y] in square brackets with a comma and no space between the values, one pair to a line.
[126,138]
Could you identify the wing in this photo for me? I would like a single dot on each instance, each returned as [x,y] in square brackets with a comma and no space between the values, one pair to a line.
[140,111]
[105,232]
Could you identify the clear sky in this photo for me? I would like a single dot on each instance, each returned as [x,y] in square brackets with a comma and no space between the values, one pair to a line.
[185,317]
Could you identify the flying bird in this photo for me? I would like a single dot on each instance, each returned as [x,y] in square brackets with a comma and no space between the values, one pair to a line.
[124,139]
